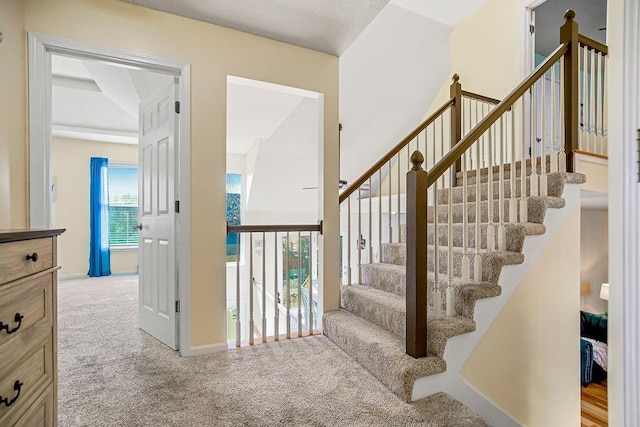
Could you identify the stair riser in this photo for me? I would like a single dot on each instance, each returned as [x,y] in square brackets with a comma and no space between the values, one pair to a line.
[491,265]
[393,317]
[514,236]
[484,175]
[536,210]
[555,187]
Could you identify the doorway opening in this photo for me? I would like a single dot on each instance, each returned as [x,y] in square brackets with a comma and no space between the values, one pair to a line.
[274,136]
[88,101]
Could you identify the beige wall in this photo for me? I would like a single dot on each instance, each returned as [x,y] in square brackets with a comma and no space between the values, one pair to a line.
[528,362]
[213,52]
[13,150]
[70,170]
[594,258]
[486,51]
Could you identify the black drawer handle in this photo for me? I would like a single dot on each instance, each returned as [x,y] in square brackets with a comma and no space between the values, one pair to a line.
[17,386]
[33,257]
[18,319]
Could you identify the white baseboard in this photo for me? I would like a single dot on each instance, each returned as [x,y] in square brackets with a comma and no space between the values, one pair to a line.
[200,350]
[73,276]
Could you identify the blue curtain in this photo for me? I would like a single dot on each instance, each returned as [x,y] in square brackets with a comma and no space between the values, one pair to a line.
[99,254]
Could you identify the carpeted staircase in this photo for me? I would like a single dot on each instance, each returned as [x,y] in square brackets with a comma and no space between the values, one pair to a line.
[371,325]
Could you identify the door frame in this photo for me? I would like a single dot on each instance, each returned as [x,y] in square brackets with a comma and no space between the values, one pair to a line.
[41,46]
[528,49]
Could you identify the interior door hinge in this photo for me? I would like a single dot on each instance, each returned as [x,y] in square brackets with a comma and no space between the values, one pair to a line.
[177,107]
[532,29]
[177,206]
[638,155]
[177,306]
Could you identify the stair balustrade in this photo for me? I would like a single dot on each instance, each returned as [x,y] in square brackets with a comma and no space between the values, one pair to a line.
[280,263]
[593,129]
[479,168]
[513,150]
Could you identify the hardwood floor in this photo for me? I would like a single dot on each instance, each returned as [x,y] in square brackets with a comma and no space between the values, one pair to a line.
[594,405]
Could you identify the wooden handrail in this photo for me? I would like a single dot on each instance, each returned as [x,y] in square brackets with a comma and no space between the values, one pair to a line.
[395,150]
[593,44]
[479,97]
[257,228]
[459,149]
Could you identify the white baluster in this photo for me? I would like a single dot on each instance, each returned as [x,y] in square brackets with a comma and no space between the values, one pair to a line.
[600,106]
[250,331]
[349,282]
[502,229]
[605,141]
[477,262]
[449,292]
[276,293]
[554,117]
[584,134]
[311,283]
[359,244]
[543,137]
[491,231]
[299,294]
[264,288]
[562,161]
[437,301]
[533,178]
[513,201]
[592,104]
[238,323]
[523,167]
[370,236]
[287,295]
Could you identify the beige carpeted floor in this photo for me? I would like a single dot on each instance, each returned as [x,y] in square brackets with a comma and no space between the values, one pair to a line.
[113,374]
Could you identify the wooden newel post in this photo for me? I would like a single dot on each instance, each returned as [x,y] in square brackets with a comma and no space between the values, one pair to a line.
[455,92]
[416,292]
[569,33]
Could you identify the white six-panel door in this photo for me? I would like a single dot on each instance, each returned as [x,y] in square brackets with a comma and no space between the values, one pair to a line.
[157,279]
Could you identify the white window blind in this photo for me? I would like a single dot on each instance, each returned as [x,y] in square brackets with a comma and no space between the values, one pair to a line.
[123,206]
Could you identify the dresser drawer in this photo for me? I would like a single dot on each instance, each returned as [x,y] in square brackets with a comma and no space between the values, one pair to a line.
[13,258]
[25,372]
[40,414]
[23,304]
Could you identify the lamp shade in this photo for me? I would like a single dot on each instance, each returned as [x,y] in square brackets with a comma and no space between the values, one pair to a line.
[604,292]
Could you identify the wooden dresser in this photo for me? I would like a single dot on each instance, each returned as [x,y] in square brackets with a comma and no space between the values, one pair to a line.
[28,317]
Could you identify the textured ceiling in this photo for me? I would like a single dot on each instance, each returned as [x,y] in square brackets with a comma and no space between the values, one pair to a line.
[446,12]
[325,25]
[591,16]
[96,101]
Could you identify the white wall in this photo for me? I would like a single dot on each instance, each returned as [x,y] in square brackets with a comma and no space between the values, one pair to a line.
[594,258]
[388,78]
[284,163]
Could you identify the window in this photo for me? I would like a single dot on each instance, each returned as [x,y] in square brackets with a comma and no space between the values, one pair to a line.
[234,202]
[123,206]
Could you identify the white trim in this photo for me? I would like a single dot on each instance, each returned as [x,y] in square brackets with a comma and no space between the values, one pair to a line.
[200,350]
[40,49]
[628,293]
[95,134]
[74,276]
[526,61]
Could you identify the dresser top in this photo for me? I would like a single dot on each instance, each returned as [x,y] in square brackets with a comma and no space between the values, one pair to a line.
[28,234]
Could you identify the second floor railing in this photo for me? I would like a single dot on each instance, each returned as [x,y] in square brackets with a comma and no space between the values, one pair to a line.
[276,290]
[593,65]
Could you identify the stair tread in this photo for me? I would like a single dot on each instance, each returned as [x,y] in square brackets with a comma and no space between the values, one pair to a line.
[457,281]
[380,352]
[509,257]
[391,314]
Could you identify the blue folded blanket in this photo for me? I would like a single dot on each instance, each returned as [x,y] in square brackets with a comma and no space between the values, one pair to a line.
[586,361]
